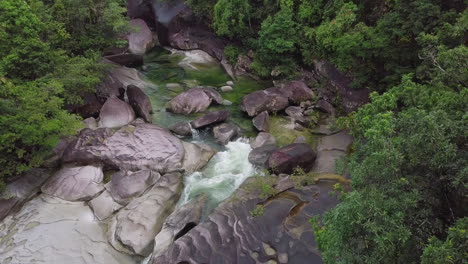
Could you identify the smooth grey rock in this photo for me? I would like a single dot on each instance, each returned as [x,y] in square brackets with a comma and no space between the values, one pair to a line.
[104,206]
[262,121]
[197,155]
[296,91]
[339,141]
[133,228]
[126,185]
[326,161]
[260,156]
[140,102]
[211,118]
[53,231]
[226,132]
[75,183]
[192,101]
[226,102]
[290,157]
[263,139]
[213,94]
[230,83]
[259,101]
[134,147]
[90,123]
[142,40]
[115,113]
[178,223]
[21,190]
[182,129]
[226,88]
[294,112]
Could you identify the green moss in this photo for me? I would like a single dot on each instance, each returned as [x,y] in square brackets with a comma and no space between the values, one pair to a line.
[282,130]
[259,210]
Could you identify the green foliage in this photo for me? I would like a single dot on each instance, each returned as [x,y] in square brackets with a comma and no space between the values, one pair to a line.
[48,59]
[31,122]
[231,17]
[452,250]
[259,210]
[232,53]
[409,176]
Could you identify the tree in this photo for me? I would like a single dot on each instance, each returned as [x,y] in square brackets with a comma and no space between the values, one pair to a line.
[232,17]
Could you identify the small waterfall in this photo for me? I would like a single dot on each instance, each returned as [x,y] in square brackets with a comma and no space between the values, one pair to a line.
[195,134]
[165,10]
[226,171]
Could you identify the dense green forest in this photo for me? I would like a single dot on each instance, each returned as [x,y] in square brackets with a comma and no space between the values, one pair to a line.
[49,57]
[408,165]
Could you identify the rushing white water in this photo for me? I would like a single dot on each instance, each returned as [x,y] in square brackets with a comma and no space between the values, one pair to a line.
[225,172]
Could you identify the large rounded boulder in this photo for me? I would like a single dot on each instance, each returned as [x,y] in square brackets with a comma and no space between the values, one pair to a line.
[115,113]
[259,101]
[290,157]
[192,101]
[142,40]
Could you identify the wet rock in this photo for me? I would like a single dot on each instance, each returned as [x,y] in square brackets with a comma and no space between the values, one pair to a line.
[290,157]
[53,231]
[134,147]
[232,235]
[140,102]
[141,9]
[259,101]
[226,88]
[142,40]
[325,107]
[260,156]
[263,139]
[126,59]
[213,94]
[226,132]
[261,121]
[75,183]
[192,101]
[115,113]
[197,155]
[134,227]
[182,220]
[182,129]
[126,185]
[104,206]
[21,190]
[211,118]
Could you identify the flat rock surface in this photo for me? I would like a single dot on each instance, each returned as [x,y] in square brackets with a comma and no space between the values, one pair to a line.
[140,41]
[230,235]
[134,227]
[75,183]
[20,190]
[211,118]
[126,185]
[53,231]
